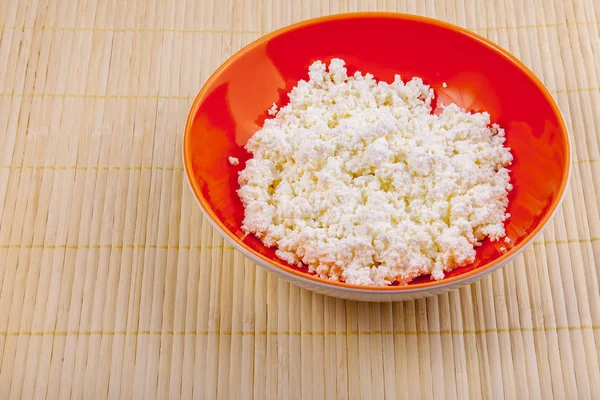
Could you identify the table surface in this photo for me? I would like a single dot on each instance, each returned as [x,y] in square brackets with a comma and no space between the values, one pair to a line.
[113,284]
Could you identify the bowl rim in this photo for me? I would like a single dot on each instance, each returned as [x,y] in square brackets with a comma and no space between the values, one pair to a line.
[294,274]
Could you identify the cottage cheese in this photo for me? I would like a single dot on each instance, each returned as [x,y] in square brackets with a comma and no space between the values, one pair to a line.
[362,183]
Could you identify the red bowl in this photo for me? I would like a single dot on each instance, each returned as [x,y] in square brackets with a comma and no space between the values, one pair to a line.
[481,76]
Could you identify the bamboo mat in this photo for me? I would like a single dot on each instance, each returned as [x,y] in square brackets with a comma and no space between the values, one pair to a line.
[112,284]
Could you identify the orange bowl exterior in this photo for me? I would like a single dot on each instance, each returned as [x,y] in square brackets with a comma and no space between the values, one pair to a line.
[480,76]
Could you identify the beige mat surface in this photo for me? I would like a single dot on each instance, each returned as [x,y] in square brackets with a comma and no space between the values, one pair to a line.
[113,284]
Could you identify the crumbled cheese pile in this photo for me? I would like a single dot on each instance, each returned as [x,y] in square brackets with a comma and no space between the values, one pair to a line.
[361,182]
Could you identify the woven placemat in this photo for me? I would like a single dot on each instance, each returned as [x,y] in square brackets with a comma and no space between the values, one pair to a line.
[113,284]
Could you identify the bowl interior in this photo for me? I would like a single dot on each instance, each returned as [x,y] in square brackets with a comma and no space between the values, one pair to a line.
[233,105]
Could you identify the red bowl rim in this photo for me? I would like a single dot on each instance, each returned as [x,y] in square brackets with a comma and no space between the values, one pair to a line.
[313,279]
